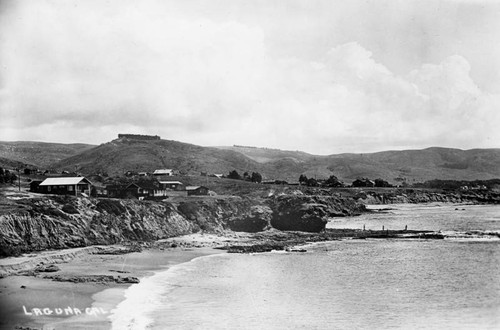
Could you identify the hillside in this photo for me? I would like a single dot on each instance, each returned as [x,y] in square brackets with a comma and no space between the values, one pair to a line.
[124,154]
[37,154]
[265,155]
[128,154]
[414,165]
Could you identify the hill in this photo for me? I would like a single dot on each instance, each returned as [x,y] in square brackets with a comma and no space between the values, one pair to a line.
[37,154]
[126,154]
[265,155]
[412,165]
[129,154]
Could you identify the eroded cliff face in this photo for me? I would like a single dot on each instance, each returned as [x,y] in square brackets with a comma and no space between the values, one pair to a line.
[411,196]
[56,222]
[63,222]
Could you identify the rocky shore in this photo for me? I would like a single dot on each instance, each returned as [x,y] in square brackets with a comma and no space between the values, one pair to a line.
[415,196]
[59,222]
[61,244]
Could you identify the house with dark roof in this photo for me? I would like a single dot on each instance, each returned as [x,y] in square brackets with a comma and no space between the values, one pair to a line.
[197,191]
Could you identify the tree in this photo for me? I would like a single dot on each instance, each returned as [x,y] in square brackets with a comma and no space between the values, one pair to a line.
[234,175]
[302,179]
[311,182]
[256,177]
[333,181]
[382,183]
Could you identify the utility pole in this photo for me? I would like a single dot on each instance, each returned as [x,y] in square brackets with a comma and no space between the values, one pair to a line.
[19,179]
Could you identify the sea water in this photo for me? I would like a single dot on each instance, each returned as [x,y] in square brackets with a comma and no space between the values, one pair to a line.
[349,284]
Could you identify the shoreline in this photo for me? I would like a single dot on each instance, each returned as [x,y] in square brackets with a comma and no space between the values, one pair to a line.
[37,301]
[94,279]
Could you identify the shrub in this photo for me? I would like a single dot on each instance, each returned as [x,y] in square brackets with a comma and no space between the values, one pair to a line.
[70,209]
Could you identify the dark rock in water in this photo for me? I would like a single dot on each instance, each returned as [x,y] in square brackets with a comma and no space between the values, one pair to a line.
[256,248]
[47,269]
[129,279]
[119,250]
[310,213]
[296,250]
[258,218]
[93,278]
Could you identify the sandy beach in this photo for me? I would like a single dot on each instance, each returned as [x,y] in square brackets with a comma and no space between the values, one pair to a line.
[34,301]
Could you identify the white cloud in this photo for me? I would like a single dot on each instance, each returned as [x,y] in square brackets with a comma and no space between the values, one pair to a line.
[71,70]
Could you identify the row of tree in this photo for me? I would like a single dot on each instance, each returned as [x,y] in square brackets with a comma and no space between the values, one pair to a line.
[7,176]
[332,181]
[364,182]
[254,177]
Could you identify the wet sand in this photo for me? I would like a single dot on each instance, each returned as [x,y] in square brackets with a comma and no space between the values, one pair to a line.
[34,302]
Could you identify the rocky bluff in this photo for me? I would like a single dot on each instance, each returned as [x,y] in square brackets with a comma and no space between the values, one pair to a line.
[56,222]
[414,196]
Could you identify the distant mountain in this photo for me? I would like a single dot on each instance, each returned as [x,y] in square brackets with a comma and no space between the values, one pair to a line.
[129,154]
[412,165]
[37,154]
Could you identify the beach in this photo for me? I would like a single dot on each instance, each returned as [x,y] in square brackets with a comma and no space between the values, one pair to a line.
[89,287]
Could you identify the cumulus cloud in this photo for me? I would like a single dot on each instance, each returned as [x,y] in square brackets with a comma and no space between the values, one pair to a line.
[71,73]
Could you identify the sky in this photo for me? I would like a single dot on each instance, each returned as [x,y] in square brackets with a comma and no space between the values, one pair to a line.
[323,77]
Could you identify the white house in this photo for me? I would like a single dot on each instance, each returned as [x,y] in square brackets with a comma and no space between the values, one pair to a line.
[65,186]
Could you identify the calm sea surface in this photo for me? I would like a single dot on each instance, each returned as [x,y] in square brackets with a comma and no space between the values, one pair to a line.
[350,284]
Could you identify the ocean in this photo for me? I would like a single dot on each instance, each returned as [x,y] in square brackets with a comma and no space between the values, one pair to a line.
[350,284]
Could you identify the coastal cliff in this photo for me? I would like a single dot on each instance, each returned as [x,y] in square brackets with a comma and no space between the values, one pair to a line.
[57,222]
[414,196]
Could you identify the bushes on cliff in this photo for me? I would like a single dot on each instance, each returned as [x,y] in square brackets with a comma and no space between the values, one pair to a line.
[70,209]
[110,206]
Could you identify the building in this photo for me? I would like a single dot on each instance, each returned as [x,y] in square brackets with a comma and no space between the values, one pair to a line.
[34,185]
[166,171]
[140,190]
[65,186]
[139,137]
[172,185]
[115,190]
[197,191]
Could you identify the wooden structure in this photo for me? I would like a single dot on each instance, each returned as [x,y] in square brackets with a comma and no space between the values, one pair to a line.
[65,186]
[172,185]
[197,191]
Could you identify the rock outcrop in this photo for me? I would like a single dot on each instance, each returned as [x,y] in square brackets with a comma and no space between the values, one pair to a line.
[258,218]
[309,213]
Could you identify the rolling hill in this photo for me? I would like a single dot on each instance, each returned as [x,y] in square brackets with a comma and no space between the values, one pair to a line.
[128,154]
[37,154]
[414,165]
[124,154]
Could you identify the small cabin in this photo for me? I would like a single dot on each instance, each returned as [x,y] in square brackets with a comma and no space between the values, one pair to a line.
[197,191]
[34,185]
